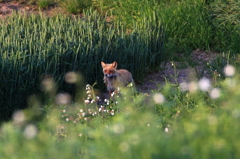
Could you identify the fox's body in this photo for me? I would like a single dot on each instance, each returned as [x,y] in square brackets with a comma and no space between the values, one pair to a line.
[114,78]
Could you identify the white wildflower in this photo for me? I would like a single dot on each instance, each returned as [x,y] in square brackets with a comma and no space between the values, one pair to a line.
[192,87]
[118,128]
[30,131]
[158,98]
[215,93]
[71,77]
[124,146]
[183,86]
[87,101]
[63,98]
[204,84]
[229,70]
[18,117]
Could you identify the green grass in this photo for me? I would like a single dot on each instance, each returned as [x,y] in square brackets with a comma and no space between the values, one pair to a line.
[44,3]
[174,121]
[184,124]
[34,45]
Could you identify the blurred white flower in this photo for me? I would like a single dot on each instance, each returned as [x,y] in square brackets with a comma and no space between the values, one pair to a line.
[130,84]
[212,120]
[88,87]
[71,77]
[192,87]
[229,70]
[158,98]
[30,131]
[47,84]
[215,93]
[112,112]
[134,139]
[236,113]
[63,98]
[87,101]
[18,117]
[113,93]
[204,84]
[118,128]
[183,86]
[124,146]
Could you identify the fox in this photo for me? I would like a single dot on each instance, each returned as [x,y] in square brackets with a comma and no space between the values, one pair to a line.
[114,78]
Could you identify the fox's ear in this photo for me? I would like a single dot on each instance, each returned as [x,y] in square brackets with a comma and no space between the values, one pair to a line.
[114,64]
[103,64]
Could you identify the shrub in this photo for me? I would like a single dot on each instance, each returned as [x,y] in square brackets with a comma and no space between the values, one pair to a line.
[44,3]
[76,6]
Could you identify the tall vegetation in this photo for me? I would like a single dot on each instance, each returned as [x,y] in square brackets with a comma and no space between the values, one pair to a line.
[35,45]
[46,59]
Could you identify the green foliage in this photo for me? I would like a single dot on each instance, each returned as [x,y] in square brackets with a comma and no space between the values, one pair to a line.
[35,45]
[75,6]
[186,24]
[225,19]
[44,3]
[176,121]
[172,122]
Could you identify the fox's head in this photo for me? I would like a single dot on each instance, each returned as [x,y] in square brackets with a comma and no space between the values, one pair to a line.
[109,70]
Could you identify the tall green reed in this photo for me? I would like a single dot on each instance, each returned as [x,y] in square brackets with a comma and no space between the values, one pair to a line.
[186,24]
[35,45]
[225,21]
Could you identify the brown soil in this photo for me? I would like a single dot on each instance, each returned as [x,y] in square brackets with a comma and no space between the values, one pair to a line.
[174,72]
[7,8]
[177,72]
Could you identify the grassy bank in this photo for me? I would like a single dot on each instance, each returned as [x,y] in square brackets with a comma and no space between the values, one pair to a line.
[196,120]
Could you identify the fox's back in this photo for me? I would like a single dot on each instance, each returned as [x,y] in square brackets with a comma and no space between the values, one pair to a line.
[125,76]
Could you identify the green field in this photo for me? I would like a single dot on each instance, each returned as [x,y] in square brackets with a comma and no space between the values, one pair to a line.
[47,110]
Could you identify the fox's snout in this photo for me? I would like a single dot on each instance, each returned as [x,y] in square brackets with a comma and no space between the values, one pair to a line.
[110,75]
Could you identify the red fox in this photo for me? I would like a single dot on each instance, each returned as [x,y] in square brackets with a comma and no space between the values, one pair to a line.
[114,78]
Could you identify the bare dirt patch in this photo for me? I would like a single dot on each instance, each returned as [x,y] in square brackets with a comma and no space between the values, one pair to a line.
[175,72]
[7,8]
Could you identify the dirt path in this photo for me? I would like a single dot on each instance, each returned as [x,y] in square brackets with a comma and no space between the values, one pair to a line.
[176,72]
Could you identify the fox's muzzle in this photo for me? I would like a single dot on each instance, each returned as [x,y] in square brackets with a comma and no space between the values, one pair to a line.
[110,75]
